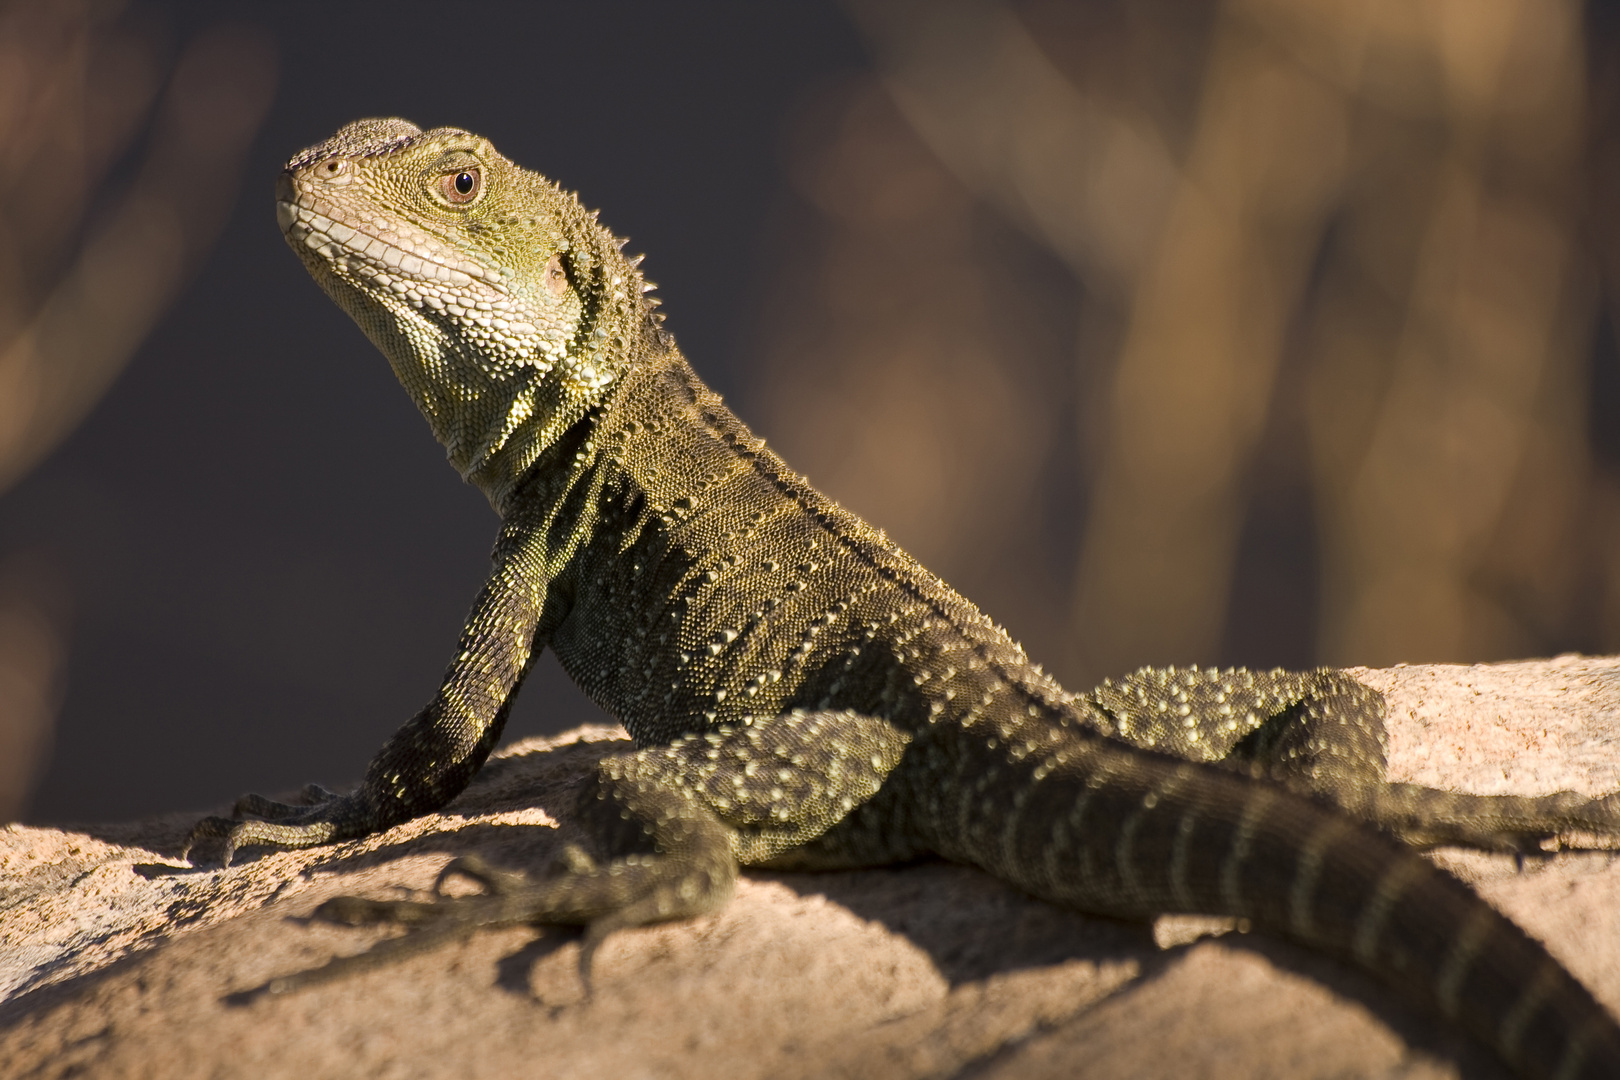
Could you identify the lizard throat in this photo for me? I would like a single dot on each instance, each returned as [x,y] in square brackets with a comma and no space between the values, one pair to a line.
[496,381]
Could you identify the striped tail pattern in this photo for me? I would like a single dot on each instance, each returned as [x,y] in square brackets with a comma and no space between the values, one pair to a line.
[1109,830]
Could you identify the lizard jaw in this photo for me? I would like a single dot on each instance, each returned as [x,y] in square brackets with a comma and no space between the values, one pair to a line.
[286,215]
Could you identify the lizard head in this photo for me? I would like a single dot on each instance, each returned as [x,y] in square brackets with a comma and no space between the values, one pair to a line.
[504,308]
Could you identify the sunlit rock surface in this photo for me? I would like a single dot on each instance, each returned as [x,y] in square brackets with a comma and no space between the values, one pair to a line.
[118,960]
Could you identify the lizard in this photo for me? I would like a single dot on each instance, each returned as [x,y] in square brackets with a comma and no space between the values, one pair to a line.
[801,693]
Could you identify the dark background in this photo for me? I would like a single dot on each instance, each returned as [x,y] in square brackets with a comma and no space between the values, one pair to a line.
[1354,266]
[268,557]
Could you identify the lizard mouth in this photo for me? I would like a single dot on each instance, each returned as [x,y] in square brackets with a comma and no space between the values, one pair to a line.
[366,253]
[286,202]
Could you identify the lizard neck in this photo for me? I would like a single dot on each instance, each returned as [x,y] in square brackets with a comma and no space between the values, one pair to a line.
[493,418]
[533,419]
[496,414]
[538,413]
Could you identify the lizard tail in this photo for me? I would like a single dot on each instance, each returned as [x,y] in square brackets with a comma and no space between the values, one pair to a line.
[1107,830]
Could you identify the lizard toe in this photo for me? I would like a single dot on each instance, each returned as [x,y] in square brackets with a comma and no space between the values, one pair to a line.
[257,833]
[255,805]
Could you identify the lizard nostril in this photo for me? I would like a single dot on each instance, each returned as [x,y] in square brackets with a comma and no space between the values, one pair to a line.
[332,167]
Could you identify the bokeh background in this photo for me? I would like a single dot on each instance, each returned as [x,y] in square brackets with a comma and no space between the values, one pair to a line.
[1169,331]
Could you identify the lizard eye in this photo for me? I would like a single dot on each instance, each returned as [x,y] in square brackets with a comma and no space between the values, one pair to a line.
[460,188]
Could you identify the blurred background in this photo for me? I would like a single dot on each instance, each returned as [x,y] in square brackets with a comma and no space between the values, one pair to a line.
[1169,331]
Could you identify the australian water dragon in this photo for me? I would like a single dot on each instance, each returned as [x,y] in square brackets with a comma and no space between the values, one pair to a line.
[802,693]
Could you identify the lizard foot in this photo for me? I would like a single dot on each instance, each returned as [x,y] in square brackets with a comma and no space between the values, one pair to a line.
[630,892]
[1593,818]
[323,816]
[1515,825]
[502,903]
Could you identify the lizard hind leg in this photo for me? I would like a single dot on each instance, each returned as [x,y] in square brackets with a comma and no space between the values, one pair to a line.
[1331,743]
[1322,734]
[670,858]
[1512,824]
[671,823]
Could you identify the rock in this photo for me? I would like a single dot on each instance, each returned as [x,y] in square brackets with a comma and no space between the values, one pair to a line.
[118,960]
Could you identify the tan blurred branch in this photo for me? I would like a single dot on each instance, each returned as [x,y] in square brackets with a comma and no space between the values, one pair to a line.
[1209,258]
[34,600]
[78,293]
[894,376]
[1083,176]
[57,364]
[1443,326]
[1207,328]
[1450,440]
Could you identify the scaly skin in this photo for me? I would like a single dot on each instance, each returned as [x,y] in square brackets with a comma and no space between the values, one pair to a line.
[802,693]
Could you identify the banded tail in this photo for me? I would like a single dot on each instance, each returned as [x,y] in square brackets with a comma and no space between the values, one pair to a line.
[1104,829]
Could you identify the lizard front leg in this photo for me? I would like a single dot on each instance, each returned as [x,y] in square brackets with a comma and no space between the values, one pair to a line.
[1323,734]
[429,760]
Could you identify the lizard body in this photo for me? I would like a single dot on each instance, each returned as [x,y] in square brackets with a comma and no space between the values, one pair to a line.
[802,693]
